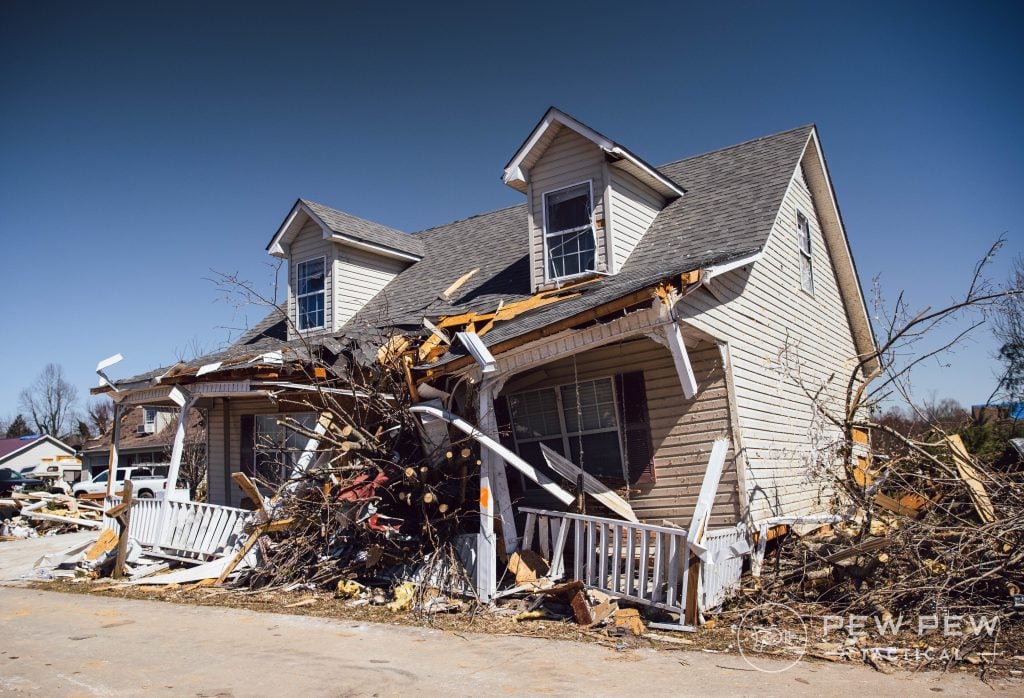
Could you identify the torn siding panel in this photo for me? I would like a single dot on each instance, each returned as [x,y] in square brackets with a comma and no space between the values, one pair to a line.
[766,311]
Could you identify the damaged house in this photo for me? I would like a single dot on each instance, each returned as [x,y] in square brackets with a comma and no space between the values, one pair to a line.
[649,334]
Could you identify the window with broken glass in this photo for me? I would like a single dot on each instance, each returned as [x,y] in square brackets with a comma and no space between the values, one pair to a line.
[277,448]
[309,294]
[569,245]
[556,418]
[806,275]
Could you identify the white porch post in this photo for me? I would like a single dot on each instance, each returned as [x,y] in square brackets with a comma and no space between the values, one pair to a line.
[184,399]
[488,424]
[115,444]
[674,337]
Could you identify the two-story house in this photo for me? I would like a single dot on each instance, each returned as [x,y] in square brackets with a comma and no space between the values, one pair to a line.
[631,315]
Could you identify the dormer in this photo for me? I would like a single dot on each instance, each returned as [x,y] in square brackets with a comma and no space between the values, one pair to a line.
[336,264]
[590,199]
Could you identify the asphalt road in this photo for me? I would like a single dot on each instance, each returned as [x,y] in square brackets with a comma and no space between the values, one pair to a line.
[56,644]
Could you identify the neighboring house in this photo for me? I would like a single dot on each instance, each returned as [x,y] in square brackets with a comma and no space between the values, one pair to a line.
[31,450]
[146,437]
[668,306]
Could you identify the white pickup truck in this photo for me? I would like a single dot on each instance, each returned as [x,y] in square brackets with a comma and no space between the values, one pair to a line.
[148,480]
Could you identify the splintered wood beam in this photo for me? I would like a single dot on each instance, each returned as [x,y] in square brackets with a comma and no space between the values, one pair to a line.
[457,284]
[429,344]
[250,490]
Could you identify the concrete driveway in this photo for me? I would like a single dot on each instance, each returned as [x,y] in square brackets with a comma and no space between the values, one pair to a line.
[78,645]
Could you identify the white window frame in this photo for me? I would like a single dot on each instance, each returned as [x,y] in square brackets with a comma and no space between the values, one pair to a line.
[149,417]
[295,286]
[563,433]
[806,256]
[545,234]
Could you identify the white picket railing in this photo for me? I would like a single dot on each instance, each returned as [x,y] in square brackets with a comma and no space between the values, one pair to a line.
[191,529]
[641,562]
[721,579]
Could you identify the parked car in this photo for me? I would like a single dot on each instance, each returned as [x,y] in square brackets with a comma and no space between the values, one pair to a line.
[147,481]
[11,480]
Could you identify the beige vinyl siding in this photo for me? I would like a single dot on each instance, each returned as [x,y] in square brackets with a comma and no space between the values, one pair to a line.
[682,431]
[569,159]
[310,244]
[359,276]
[633,208]
[766,312]
[217,475]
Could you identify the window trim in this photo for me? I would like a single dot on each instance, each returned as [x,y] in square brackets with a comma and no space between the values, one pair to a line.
[544,234]
[146,412]
[295,289]
[805,255]
[563,433]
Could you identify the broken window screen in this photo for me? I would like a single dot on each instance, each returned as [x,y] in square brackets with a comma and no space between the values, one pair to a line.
[309,294]
[568,234]
[554,417]
[277,448]
[806,275]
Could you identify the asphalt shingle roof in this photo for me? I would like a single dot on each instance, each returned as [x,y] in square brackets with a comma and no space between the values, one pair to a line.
[366,231]
[732,197]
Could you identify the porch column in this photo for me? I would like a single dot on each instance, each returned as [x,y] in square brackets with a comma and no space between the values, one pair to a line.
[674,337]
[488,424]
[184,399]
[115,444]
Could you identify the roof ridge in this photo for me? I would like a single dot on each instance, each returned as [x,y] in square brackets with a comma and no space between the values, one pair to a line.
[467,218]
[351,215]
[739,145]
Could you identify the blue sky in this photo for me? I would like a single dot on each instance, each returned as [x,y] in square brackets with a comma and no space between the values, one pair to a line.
[144,144]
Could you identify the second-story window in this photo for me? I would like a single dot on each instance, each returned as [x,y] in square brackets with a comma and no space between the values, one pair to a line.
[309,294]
[806,273]
[569,246]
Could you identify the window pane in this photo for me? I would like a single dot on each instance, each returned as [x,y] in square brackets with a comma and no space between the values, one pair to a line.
[311,311]
[535,414]
[530,452]
[570,253]
[569,208]
[597,406]
[310,277]
[601,455]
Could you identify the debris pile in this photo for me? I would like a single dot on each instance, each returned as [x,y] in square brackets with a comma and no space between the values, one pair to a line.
[40,513]
[933,536]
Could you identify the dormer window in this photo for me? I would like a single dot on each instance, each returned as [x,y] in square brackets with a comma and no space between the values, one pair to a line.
[570,248]
[309,294]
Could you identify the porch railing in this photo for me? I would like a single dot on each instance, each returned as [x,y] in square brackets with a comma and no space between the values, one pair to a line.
[720,580]
[191,529]
[644,563]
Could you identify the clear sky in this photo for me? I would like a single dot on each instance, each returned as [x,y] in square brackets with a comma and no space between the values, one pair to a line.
[143,144]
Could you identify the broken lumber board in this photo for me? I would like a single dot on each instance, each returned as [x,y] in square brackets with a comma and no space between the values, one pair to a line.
[149,570]
[970,476]
[591,485]
[895,506]
[103,545]
[209,570]
[457,284]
